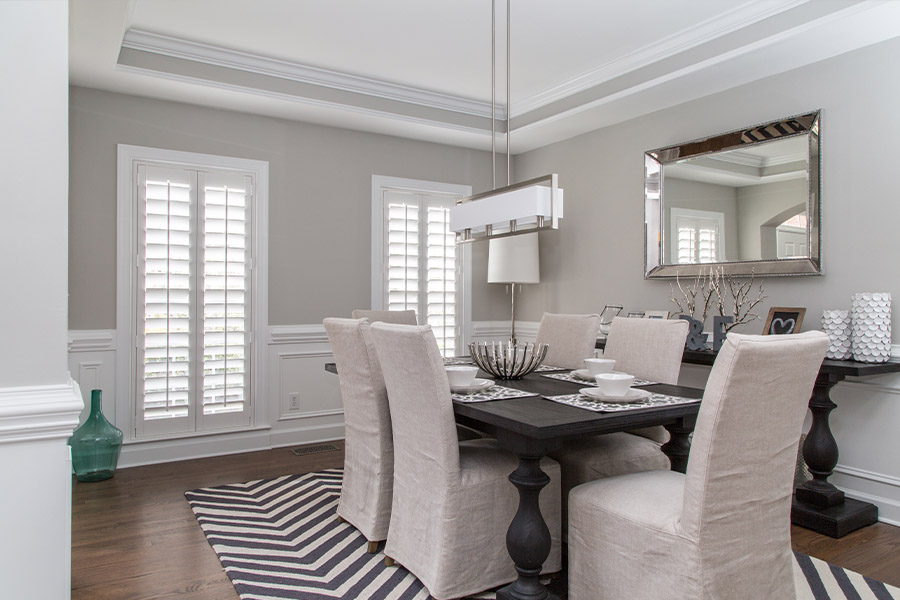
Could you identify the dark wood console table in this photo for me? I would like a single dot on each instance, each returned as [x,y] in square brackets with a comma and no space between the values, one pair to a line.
[818,504]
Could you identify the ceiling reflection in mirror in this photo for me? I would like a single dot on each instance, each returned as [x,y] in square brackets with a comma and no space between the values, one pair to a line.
[747,200]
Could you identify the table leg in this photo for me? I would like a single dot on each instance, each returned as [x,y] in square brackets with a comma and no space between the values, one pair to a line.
[678,448]
[818,504]
[528,537]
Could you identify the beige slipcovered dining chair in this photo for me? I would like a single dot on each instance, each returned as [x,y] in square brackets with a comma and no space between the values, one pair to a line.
[649,349]
[453,501]
[368,481]
[405,317]
[723,529]
[571,338]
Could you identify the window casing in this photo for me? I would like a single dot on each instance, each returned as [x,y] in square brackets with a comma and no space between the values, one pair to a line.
[194,224]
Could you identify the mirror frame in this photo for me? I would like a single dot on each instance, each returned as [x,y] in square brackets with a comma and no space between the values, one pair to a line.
[654,201]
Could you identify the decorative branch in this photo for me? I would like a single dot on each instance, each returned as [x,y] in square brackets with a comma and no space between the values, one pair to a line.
[703,286]
[741,303]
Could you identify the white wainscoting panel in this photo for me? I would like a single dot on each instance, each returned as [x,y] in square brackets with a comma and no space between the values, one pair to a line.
[865,423]
[92,363]
[296,364]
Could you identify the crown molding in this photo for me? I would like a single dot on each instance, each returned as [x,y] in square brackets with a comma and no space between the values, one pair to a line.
[145,41]
[697,35]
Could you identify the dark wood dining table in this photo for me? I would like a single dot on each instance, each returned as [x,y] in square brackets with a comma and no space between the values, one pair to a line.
[530,427]
[533,426]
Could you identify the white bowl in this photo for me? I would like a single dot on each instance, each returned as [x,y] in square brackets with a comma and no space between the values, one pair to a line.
[614,384]
[461,375]
[595,366]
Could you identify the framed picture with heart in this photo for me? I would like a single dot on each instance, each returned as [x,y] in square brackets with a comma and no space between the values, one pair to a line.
[784,320]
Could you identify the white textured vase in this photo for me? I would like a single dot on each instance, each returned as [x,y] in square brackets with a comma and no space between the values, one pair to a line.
[870,337]
[836,323]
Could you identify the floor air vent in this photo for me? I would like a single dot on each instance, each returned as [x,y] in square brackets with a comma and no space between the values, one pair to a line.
[303,450]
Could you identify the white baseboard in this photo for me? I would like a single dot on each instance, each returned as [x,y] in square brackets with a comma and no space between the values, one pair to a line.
[164,451]
[881,490]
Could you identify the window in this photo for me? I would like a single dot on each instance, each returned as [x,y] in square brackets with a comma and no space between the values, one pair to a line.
[194,294]
[697,236]
[416,262]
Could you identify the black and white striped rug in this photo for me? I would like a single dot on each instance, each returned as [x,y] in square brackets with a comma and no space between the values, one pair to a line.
[280,539]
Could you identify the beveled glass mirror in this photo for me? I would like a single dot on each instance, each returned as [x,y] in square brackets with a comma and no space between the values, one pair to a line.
[746,200]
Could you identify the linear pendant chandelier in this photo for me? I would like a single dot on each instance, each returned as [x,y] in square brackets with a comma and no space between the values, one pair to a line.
[515,209]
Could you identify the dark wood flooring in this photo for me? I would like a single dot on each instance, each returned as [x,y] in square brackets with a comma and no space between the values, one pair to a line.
[134,536]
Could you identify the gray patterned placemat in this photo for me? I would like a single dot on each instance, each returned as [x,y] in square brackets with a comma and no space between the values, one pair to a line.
[572,379]
[495,392]
[652,401]
[547,368]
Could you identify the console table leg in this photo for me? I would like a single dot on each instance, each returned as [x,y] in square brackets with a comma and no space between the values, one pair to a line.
[528,537]
[820,450]
[818,504]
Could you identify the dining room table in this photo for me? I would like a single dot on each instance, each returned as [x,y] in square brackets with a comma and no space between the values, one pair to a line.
[546,412]
[534,425]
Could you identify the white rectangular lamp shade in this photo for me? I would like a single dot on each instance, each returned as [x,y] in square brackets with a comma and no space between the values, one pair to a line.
[514,259]
[523,205]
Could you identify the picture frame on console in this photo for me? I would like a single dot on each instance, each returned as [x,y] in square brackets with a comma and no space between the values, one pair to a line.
[656,314]
[784,320]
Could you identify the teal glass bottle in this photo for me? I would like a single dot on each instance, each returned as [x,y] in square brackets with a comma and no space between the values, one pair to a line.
[95,445]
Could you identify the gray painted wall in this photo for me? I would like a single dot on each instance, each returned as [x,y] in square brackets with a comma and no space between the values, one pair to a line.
[597,255]
[319,197]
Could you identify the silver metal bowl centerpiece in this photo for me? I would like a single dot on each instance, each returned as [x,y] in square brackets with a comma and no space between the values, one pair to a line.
[507,361]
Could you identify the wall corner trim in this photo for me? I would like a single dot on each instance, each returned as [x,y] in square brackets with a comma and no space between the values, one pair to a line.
[39,412]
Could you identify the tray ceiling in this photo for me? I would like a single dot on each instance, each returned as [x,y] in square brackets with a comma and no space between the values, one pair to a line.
[423,69]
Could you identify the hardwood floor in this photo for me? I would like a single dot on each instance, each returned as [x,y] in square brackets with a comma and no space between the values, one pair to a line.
[134,536]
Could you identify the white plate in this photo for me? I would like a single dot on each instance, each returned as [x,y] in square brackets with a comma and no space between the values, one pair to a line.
[633,395]
[479,385]
[585,375]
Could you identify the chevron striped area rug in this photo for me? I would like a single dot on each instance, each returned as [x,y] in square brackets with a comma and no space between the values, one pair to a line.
[280,539]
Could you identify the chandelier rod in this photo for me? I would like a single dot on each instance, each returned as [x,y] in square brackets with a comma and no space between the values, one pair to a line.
[493,94]
[508,103]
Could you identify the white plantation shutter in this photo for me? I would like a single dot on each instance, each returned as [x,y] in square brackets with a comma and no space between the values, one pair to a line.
[421,266]
[166,306]
[402,252]
[193,300]
[226,278]
[441,271]
[697,237]
[687,244]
